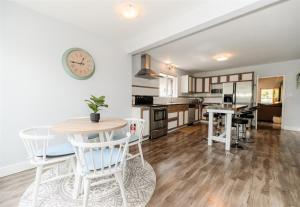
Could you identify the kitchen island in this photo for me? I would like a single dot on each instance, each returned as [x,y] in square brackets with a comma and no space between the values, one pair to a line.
[227,110]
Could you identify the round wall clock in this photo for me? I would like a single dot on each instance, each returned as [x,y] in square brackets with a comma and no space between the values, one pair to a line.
[78,63]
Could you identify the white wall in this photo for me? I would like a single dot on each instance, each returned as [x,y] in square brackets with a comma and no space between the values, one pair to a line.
[1,71]
[291,95]
[37,89]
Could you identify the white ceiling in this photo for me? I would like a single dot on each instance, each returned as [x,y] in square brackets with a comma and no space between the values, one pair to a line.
[101,16]
[268,35]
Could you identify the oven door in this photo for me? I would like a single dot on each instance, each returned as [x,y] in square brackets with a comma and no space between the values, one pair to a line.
[158,118]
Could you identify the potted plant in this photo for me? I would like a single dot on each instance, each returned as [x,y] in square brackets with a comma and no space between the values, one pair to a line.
[95,104]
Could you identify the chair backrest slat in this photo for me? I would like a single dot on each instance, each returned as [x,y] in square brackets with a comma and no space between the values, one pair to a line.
[36,141]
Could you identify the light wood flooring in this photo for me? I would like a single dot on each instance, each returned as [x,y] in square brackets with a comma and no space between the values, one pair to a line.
[189,173]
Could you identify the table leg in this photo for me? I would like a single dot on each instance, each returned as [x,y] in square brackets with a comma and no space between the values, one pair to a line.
[78,178]
[210,127]
[228,131]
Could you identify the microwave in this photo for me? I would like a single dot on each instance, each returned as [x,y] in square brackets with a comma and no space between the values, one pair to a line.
[216,91]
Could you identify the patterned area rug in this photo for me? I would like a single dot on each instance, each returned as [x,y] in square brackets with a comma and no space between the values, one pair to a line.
[139,184]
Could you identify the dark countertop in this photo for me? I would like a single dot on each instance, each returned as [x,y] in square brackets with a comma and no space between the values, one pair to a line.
[166,104]
[233,107]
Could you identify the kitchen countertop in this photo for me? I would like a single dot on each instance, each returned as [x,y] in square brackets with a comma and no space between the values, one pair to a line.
[233,107]
[166,104]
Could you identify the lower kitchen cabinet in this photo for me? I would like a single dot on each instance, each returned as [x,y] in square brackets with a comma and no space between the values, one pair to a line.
[172,124]
[180,118]
[196,114]
[186,117]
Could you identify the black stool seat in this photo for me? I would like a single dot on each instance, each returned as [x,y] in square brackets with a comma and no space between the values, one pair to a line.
[246,112]
[247,116]
[239,121]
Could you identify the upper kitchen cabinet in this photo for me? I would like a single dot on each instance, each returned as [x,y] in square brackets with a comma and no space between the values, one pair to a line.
[223,79]
[247,76]
[215,80]
[206,85]
[199,85]
[234,78]
[187,84]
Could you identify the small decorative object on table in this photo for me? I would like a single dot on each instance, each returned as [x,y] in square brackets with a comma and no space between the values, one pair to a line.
[95,104]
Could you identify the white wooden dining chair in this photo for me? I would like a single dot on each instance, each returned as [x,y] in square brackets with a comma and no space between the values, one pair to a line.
[136,129]
[45,155]
[99,160]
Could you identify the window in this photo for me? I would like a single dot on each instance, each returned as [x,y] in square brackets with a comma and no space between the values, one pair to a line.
[269,96]
[167,86]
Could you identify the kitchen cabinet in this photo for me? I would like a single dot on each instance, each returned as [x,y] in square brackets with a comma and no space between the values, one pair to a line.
[187,84]
[199,85]
[146,116]
[191,84]
[172,124]
[186,116]
[223,79]
[184,84]
[234,78]
[214,79]
[180,118]
[206,85]
[196,114]
[246,76]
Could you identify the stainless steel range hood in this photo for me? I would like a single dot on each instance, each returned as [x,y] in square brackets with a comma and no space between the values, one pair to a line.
[146,71]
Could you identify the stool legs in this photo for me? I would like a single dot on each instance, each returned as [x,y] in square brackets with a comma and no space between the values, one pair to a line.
[236,143]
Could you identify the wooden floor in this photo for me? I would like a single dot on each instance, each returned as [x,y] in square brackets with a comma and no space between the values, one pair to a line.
[191,174]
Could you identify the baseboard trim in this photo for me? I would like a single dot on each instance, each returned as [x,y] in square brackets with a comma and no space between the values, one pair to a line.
[291,128]
[15,168]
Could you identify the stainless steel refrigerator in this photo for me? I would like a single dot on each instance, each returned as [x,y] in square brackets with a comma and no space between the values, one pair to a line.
[238,93]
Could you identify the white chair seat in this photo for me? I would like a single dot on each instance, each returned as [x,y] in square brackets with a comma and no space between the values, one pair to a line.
[57,150]
[94,161]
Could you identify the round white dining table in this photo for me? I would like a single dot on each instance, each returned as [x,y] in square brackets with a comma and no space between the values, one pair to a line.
[81,127]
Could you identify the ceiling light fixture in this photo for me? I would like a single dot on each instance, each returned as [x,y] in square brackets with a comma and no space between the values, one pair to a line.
[130,11]
[222,57]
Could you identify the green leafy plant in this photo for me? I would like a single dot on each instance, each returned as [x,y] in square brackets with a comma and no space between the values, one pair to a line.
[96,103]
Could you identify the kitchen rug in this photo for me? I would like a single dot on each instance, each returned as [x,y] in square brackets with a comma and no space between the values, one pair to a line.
[139,184]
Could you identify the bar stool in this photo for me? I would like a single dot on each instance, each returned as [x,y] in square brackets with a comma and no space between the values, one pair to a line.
[248,114]
[240,125]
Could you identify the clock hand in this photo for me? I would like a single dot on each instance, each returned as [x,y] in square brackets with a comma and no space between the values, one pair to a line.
[82,60]
[75,62]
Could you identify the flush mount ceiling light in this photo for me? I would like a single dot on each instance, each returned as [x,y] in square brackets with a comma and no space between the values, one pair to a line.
[222,57]
[129,10]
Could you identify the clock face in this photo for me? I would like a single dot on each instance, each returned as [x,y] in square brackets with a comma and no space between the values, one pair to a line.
[78,63]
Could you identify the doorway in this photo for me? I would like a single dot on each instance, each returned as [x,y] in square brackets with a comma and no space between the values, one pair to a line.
[270,100]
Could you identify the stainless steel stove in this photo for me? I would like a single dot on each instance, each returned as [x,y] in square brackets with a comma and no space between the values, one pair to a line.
[158,116]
